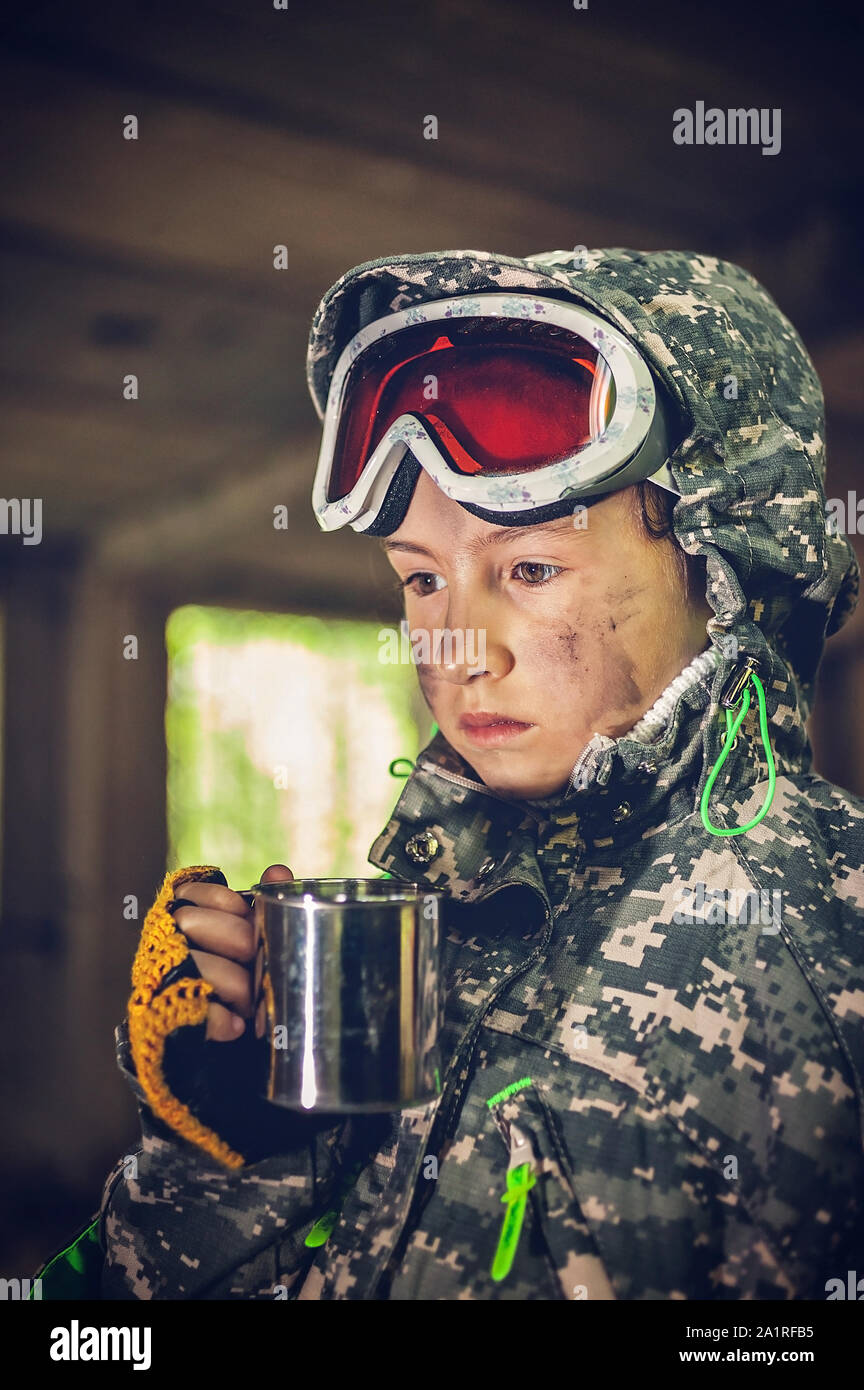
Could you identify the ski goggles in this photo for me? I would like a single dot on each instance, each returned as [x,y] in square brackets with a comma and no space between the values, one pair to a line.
[518,407]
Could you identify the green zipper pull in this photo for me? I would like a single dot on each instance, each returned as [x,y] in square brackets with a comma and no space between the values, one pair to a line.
[735,689]
[520,1180]
[323,1229]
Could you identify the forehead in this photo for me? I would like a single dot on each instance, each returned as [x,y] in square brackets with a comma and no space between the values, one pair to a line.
[434,520]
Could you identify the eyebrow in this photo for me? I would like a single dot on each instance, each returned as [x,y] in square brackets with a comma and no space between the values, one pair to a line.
[509,533]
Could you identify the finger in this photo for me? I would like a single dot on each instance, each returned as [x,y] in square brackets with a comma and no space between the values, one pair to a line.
[223,933]
[277,873]
[222,1024]
[213,895]
[231,982]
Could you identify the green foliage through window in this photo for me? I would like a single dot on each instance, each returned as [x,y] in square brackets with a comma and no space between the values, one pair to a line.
[280,732]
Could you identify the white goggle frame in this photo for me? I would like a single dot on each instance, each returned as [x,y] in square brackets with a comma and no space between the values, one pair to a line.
[609,462]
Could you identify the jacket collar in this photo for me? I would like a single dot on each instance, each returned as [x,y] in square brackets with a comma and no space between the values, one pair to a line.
[471,837]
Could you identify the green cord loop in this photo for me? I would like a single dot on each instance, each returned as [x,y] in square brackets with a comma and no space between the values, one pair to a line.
[733,724]
[395,770]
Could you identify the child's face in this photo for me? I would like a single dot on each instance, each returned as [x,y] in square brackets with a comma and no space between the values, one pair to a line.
[587,651]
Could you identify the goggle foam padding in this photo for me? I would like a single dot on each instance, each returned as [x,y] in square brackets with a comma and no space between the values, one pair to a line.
[398,499]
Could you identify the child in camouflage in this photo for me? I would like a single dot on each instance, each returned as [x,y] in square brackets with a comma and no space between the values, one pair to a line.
[611,466]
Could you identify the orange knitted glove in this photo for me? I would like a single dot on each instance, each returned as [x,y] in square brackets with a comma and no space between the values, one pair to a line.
[163,1000]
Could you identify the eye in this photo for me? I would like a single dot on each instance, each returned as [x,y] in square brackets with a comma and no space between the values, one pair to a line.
[420,578]
[535,573]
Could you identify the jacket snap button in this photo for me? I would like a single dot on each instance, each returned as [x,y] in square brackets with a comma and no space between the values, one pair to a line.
[486,868]
[422,848]
[621,812]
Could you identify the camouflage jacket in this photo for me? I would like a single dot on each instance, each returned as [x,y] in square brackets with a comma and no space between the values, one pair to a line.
[676,1016]
[694,1104]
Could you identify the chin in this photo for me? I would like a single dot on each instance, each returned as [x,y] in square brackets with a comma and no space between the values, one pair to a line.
[513,777]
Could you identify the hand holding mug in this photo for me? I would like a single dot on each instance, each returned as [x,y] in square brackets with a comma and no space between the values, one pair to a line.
[219,925]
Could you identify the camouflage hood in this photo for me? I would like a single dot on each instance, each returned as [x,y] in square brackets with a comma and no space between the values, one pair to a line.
[751,468]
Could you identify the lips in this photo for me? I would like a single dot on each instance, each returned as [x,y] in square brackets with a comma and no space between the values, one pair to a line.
[486,721]
[487,730]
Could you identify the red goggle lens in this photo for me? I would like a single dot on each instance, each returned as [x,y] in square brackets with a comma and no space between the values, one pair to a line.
[502,396]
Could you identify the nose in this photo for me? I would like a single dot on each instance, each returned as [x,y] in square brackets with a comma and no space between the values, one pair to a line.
[471,645]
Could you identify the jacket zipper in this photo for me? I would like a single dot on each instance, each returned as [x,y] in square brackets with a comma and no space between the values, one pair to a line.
[480,787]
[462,1056]
[521,1177]
[460,781]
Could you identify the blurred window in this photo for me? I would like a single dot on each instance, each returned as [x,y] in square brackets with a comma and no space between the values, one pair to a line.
[280,731]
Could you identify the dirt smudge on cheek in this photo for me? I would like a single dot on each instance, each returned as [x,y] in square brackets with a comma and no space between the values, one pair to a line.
[621,687]
[613,688]
[570,645]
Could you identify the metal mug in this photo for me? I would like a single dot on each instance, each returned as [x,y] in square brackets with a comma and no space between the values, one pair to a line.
[349,970]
